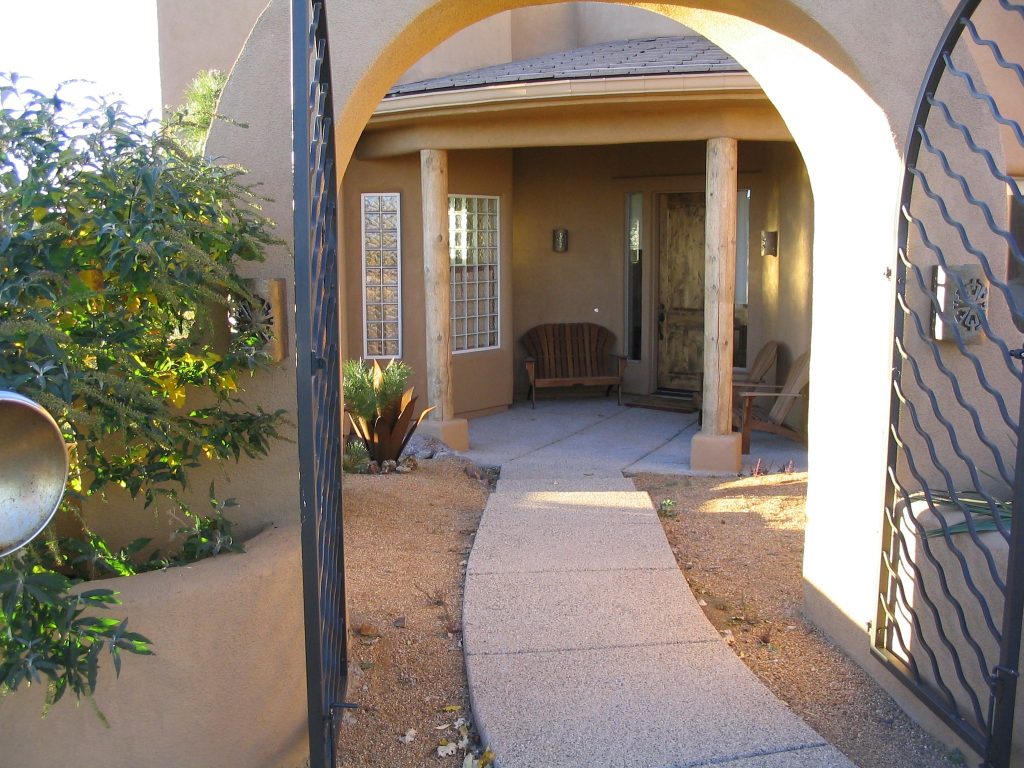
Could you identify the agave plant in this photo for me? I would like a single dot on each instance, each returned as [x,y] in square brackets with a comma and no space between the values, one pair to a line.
[974,504]
[380,407]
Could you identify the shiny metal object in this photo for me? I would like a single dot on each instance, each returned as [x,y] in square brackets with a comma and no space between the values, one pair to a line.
[33,470]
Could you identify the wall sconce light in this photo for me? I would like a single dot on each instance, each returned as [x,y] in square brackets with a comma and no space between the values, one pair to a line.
[961,293]
[268,312]
[770,243]
[560,240]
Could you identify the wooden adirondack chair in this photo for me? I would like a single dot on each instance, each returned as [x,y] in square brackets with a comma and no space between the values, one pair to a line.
[757,371]
[751,417]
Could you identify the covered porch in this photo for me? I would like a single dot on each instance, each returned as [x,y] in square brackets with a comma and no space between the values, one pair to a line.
[593,436]
[638,204]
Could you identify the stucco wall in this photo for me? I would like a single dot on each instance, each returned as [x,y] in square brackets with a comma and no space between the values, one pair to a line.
[258,98]
[781,286]
[583,190]
[200,35]
[535,31]
[482,380]
[226,685]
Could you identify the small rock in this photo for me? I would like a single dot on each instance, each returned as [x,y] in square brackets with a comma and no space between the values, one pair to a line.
[727,636]
[388,467]
[348,719]
[400,622]
[367,630]
[702,603]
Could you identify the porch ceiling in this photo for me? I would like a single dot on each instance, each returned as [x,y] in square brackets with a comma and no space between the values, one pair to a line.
[575,113]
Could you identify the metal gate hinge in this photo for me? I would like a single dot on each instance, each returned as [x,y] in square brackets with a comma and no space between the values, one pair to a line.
[317,362]
[1001,672]
[1017,353]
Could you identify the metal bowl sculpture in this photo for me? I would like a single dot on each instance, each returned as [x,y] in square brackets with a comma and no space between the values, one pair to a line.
[33,470]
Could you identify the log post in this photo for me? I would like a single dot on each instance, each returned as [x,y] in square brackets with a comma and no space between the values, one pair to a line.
[716,447]
[437,288]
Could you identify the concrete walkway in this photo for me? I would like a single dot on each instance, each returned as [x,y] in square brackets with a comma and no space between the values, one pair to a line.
[584,646]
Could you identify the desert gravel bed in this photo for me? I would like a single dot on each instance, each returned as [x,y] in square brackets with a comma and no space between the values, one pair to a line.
[739,543]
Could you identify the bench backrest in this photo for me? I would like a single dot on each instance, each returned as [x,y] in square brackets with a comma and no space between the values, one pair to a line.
[566,350]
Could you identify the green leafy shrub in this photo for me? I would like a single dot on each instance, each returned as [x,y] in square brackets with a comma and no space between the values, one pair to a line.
[118,254]
[190,122]
[380,407]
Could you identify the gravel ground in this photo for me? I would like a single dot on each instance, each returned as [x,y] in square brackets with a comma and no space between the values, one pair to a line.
[740,545]
[407,537]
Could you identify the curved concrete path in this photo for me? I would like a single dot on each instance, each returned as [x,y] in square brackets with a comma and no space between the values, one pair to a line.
[584,645]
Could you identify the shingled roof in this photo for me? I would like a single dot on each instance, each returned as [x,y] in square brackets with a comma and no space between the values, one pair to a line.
[687,55]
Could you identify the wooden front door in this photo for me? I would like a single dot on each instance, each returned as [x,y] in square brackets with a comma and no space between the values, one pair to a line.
[681,290]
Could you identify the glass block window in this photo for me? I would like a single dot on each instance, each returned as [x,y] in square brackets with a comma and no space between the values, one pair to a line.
[382,276]
[473,222]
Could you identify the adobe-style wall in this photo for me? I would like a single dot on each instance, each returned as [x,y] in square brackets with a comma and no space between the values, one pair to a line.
[583,189]
[535,31]
[482,380]
[226,685]
[202,35]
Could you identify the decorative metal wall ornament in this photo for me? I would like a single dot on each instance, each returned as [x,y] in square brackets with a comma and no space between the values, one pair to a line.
[318,377]
[951,586]
[961,303]
[33,470]
[265,314]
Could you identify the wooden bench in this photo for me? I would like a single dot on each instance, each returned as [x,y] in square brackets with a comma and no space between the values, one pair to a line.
[568,354]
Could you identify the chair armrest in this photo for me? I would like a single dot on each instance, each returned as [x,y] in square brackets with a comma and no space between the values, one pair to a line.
[753,395]
[621,361]
[531,370]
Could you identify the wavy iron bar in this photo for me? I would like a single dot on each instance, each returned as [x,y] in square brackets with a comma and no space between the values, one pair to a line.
[954,383]
[965,239]
[997,53]
[932,587]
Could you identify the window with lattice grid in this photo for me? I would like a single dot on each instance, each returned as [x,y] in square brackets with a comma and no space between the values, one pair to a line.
[473,222]
[382,275]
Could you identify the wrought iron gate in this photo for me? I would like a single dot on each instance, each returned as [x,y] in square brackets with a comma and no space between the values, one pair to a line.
[951,591]
[318,352]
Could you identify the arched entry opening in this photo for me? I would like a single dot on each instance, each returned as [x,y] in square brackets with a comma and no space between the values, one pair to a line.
[847,142]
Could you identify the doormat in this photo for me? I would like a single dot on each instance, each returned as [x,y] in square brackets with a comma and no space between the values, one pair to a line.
[676,403]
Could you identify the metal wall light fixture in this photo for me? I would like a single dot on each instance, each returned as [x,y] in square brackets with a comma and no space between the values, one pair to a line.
[560,240]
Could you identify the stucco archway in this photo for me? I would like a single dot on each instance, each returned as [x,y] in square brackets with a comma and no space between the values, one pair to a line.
[833,76]
[842,113]
[845,82]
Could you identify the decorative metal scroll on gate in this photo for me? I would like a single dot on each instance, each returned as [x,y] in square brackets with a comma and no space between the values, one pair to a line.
[952,579]
[319,403]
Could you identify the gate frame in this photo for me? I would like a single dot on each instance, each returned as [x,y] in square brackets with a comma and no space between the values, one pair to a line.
[318,378]
[997,747]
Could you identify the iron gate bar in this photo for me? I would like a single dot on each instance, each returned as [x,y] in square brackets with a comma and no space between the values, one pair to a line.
[991,732]
[318,378]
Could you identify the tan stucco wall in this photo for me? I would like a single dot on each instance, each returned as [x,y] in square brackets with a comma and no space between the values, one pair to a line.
[482,380]
[535,31]
[200,35]
[583,190]
[266,489]
[226,685]
[780,307]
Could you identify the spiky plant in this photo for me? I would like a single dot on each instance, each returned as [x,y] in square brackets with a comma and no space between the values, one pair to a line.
[380,407]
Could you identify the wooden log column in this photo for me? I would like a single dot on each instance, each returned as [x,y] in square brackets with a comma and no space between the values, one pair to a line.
[716,447]
[436,284]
